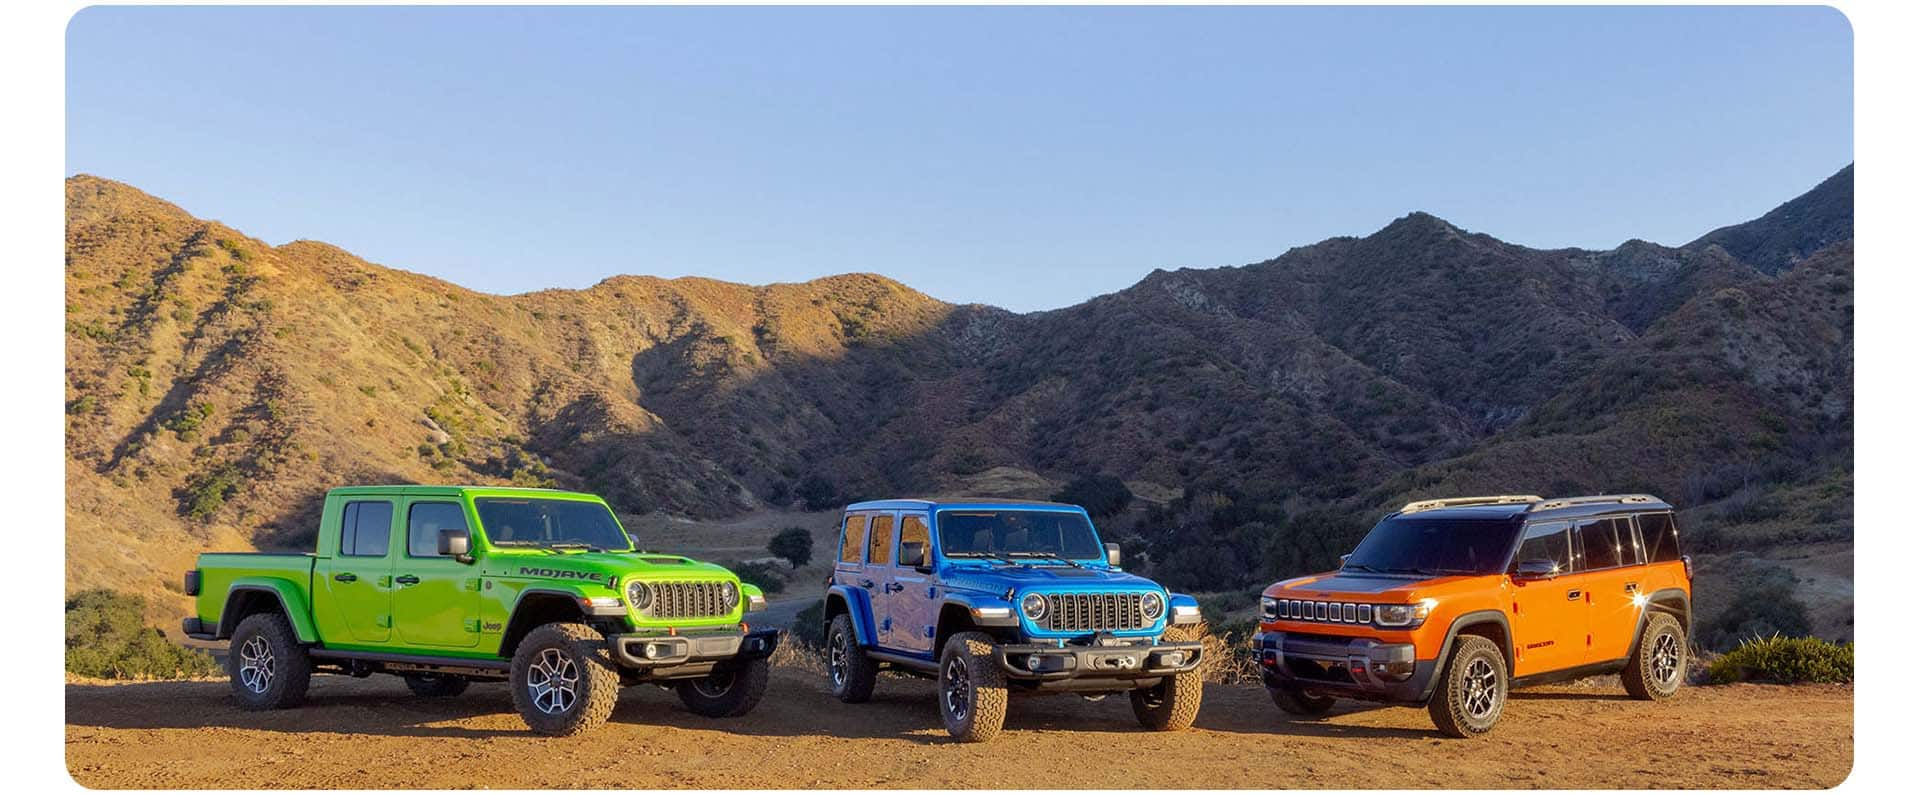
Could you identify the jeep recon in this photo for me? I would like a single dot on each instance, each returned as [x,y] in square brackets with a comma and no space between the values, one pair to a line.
[448,585]
[994,598]
[1449,602]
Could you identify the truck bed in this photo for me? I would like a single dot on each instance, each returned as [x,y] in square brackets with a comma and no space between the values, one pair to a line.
[220,572]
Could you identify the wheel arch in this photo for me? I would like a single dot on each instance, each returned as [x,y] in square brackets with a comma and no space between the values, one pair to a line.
[1489,623]
[1671,600]
[536,607]
[251,596]
[842,600]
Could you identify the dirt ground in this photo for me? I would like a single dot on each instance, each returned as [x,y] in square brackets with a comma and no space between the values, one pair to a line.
[372,734]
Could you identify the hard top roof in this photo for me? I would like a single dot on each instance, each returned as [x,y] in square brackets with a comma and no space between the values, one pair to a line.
[959,504]
[1535,508]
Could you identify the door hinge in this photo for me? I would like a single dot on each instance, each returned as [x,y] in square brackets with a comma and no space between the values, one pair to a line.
[470,584]
[383,621]
[473,626]
[929,631]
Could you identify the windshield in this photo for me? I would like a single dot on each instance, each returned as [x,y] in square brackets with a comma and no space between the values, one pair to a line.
[1435,546]
[1018,533]
[552,523]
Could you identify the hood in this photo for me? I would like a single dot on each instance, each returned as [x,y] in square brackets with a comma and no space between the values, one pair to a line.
[1362,586]
[604,566]
[997,578]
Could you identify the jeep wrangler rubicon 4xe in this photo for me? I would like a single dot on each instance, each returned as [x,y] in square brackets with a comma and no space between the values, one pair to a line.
[1450,602]
[997,598]
[448,585]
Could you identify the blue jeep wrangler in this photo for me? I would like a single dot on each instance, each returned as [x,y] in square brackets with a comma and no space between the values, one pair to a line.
[992,598]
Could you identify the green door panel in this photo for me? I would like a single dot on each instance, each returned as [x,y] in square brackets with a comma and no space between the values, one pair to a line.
[357,583]
[436,600]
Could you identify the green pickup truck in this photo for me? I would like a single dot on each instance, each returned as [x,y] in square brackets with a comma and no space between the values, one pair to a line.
[447,585]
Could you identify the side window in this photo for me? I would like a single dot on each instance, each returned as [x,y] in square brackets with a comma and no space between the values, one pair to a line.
[852,538]
[1660,537]
[424,522]
[1598,547]
[1630,551]
[1546,541]
[913,529]
[879,540]
[365,528]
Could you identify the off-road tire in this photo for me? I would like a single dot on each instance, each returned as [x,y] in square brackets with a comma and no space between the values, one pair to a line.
[1472,690]
[726,693]
[1658,664]
[970,676]
[850,673]
[550,653]
[435,685]
[1169,705]
[1297,703]
[267,667]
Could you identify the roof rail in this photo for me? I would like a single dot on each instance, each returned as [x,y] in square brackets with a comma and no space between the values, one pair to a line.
[1458,501]
[1610,499]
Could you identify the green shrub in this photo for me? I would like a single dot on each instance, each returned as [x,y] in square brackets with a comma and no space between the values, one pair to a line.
[810,626]
[205,495]
[1785,660]
[793,544]
[106,638]
[763,575]
[1101,494]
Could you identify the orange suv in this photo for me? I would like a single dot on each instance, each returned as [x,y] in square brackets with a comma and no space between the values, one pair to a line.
[1450,602]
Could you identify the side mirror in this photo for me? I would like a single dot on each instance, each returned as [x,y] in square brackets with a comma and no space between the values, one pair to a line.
[913,554]
[455,543]
[1113,555]
[1537,569]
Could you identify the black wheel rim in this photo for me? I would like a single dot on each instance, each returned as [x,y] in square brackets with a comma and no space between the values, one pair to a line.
[957,689]
[1481,689]
[714,685]
[1666,658]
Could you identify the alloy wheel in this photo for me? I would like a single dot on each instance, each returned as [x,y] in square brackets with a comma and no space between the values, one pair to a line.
[553,682]
[957,689]
[1666,658]
[837,661]
[256,664]
[1482,687]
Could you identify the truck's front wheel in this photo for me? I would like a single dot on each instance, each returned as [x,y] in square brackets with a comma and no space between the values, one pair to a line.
[726,693]
[1170,705]
[563,681]
[266,664]
[973,688]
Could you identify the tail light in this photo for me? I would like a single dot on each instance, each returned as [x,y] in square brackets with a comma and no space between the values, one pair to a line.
[1687,562]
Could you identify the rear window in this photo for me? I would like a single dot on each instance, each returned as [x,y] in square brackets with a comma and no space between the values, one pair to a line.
[1660,536]
[1411,544]
[365,528]
[879,540]
[1599,546]
[852,538]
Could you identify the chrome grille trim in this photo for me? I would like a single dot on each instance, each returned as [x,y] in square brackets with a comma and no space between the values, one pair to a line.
[1093,612]
[1325,611]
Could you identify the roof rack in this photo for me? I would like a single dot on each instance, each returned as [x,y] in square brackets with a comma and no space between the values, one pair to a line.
[1611,499]
[1458,501]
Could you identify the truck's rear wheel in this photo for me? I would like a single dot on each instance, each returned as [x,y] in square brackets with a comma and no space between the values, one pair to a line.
[563,680]
[1170,705]
[850,674]
[973,688]
[726,693]
[435,685]
[266,664]
[1659,660]
[1473,689]
[1296,702]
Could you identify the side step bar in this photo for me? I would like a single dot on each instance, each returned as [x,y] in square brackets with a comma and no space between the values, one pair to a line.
[408,662]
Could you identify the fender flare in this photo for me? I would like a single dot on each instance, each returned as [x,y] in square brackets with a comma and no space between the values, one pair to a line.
[1478,617]
[859,611]
[513,611]
[291,600]
[968,602]
[1653,605]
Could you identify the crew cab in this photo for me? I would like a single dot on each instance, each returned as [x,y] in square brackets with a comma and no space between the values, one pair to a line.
[998,598]
[1448,603]
[446,585]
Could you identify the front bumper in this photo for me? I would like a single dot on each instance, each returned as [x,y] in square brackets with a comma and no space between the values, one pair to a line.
[1350,667]
[691,654]
[1043,662]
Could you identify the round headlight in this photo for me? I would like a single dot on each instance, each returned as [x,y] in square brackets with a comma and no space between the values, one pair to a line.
[639,595]
[1151,605]
[1034,606]
[730,593]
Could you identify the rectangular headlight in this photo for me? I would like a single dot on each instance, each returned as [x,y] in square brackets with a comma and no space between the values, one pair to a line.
[1402,615]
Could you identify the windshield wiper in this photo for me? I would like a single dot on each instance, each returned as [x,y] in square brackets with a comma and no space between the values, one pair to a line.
[987,554]
[575,545]
[1047,556]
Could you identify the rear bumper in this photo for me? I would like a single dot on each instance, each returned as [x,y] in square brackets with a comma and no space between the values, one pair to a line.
[689,655]
[1350,667]
[195,628]
[1049,663]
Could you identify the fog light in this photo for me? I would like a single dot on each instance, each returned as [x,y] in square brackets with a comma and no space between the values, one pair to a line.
[655,650]
[1393,671]
[1033,663]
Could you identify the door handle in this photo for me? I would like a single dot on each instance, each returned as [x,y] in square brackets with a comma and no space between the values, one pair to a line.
[894,587]
[1633,587]
[866,583]
[1573,595]
[345,577]
[407,579]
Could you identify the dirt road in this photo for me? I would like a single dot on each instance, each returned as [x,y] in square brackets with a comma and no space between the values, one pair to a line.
[372,734]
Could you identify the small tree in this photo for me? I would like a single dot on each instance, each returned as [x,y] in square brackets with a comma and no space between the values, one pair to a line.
[793,544]
[816,491]
[1101,494]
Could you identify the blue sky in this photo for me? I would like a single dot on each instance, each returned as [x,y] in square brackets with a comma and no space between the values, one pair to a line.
[1026,157]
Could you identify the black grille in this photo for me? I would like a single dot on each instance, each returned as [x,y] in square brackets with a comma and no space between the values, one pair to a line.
[688,600]
[1094,612]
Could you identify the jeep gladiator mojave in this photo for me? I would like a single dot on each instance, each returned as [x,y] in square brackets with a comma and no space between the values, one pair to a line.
[1449,602]
[992,598]
[446,585]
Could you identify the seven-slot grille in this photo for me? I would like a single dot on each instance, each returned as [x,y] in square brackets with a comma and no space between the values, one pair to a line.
[1094,612]
[1326,611]
[688,600]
